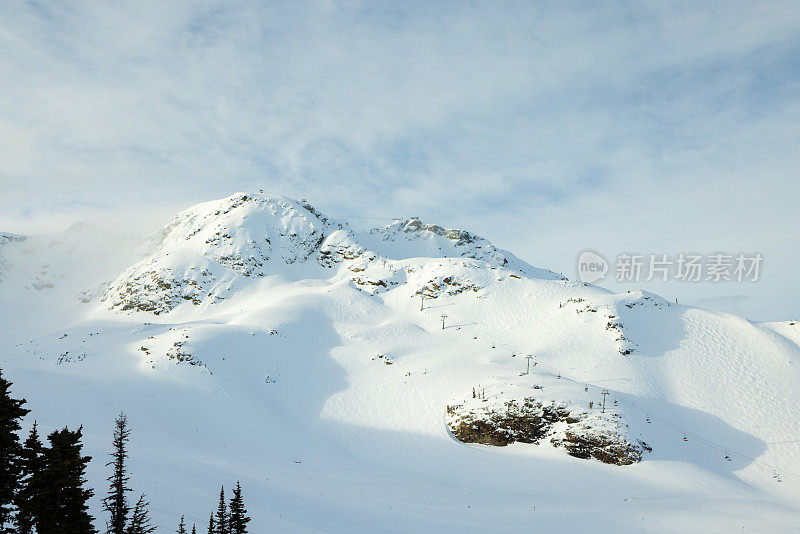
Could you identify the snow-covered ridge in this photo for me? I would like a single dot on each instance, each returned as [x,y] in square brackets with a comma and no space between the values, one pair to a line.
[410,237]
[209,251]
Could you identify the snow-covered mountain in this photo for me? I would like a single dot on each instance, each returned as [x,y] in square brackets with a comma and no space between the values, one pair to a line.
[408,378]
[211,251]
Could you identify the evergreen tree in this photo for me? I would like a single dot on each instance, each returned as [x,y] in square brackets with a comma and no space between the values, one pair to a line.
[116,504]
[62,501]
[212,529]
[29,491]
[182,527]
[11,413]
[222,514]
[238,513]
[140,519]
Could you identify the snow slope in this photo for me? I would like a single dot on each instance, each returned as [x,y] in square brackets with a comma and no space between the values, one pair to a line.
[259,340]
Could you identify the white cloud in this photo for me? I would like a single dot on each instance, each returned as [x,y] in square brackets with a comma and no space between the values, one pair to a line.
[550,127]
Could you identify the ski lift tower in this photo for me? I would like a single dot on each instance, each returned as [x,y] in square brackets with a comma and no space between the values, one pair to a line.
[604,393]
[529,358]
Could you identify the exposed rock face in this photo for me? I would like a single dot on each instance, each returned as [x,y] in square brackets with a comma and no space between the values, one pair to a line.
[435,241]
[525,422]
[645,299]
[458,237]
[158,291]
[582,434]
[447,285]
[585,442]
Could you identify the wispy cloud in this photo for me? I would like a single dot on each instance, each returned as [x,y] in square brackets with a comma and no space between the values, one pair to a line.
[548,127]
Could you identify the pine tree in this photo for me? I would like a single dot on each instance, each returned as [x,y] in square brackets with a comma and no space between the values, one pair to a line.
[238,513]
[30,490]
[222,514]
[212,529]
[116,504]
[62,500]
[140,518]
[182,527]
[11,413]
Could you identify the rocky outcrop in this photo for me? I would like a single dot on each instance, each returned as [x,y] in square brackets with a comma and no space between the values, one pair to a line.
[581,434]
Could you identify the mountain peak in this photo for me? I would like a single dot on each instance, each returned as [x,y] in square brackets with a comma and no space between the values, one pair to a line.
[209,251]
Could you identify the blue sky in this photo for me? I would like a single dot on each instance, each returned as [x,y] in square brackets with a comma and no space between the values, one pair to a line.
[657,127]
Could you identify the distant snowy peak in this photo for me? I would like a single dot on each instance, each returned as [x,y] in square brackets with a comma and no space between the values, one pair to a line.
[6,238]
[203,254]
[70,260]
